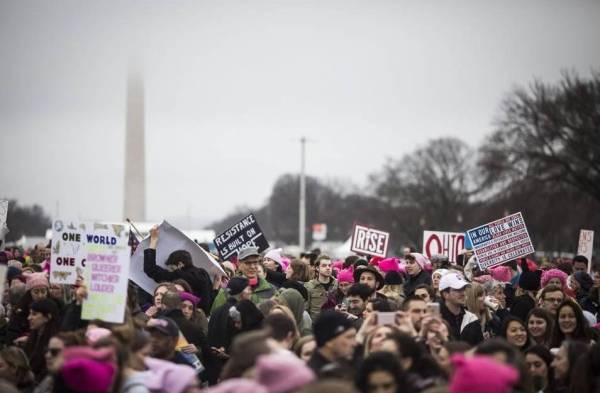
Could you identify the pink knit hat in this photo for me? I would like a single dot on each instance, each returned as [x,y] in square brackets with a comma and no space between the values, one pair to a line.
[188,296]
[389,264]
[337,264]
[501,273]
[345,275]
[237,385]
[274,255]
[87,375]
[36,280]
[96,333]
[481,374]
[548,275]
[280,372]
[168,377]
[483,279]
[422,260]
[285,262]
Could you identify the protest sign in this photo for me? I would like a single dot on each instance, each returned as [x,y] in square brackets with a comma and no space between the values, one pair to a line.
[369,241]
[501,241]
[68,252]
[319,232]
[169,239]
[106,272]
[586,245]
[443,243]
[245,233]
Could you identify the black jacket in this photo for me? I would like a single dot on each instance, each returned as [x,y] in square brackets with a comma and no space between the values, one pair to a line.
[197,277]
[465,326]
[413,281]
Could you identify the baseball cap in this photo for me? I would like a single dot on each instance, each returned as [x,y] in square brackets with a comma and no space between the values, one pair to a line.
[247,252]
[165,325]
[452,280]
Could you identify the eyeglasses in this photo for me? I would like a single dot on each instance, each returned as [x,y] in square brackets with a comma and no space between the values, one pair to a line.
[54,352]
[553,299]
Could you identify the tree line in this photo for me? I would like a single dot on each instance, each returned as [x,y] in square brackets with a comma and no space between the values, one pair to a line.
[542,158]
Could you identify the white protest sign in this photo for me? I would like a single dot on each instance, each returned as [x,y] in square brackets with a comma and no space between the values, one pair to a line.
[106,272]
[586,245]
[68,252]
[443,243]
[369,241]
[501,241]
[170,239]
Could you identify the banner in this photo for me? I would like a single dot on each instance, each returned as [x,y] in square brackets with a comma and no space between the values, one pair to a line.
[369,241]
[443,243]
[169,239]
[586,245]
[68,252]
[106,272]
[501,241]
[243,234]
[319,232]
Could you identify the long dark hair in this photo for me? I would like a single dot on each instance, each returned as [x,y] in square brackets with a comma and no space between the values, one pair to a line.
[422,363]
[585,375]
[507,321]
[581,332]
[544,314]
[37,342]
[575,350]
[382,361]
[543,353]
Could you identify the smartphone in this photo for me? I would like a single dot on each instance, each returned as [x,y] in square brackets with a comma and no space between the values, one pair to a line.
[433,309]
[386,318]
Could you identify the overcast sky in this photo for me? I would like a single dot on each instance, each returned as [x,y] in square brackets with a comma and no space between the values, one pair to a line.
[231,86]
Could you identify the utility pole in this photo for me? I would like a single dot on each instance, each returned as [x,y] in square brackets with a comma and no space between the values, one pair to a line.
[302,209]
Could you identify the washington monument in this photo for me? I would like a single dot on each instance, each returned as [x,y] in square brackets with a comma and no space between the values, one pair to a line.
[134,202]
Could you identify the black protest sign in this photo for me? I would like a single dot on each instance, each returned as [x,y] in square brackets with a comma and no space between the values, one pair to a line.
[245,233]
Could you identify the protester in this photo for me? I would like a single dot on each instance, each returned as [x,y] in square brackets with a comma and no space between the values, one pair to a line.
[321,286]
[249,260]
[463,324]
[381,372]
[564,362]
[515,332]
[14,368]
[539,360]
[415,269]
[183,268]
[260,336]
[335,338]
[569,324]
[539,325]
[304,347]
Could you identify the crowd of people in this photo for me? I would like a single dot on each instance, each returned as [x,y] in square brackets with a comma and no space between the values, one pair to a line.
[278,323]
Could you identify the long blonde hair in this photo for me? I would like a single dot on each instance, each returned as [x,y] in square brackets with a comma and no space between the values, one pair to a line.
[474,291]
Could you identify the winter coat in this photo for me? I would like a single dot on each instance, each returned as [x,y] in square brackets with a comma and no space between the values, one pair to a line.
[318,295]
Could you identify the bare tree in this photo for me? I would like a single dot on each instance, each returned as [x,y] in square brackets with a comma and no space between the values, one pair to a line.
[548,135]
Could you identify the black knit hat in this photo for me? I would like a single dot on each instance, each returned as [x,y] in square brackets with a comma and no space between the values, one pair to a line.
[237,284]
[392,278]
[329,325]
[585,281]
[529,281]
[179,256]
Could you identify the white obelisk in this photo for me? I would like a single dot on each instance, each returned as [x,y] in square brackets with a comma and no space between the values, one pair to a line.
[134,203]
